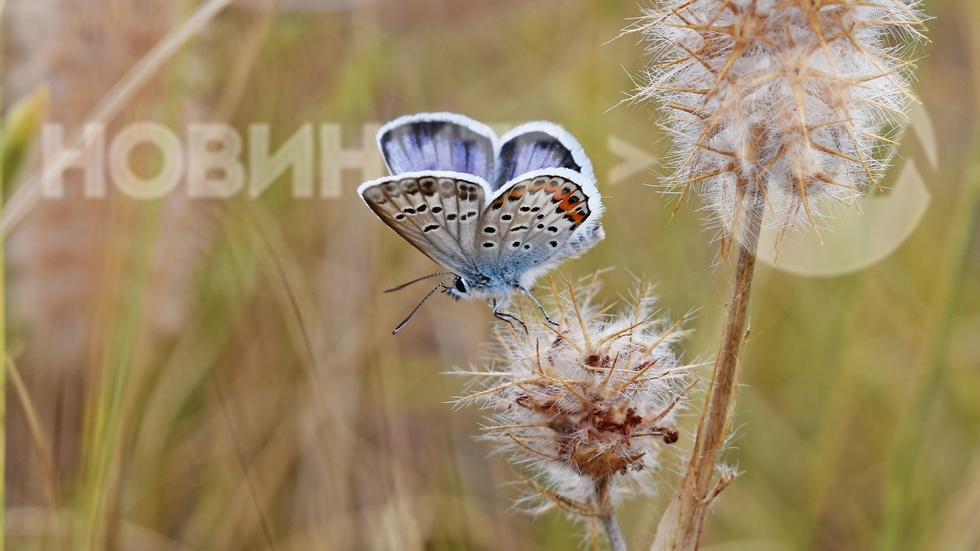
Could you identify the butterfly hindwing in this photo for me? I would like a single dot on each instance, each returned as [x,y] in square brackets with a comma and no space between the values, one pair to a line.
[437,212]
[536,221]
[438,141]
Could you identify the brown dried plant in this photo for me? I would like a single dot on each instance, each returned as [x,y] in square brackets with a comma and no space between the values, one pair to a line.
[775,105]
[587,406]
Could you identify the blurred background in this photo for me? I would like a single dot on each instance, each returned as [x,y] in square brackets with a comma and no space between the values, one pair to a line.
[217,374]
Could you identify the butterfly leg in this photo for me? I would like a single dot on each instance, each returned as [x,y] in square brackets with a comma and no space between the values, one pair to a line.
[538,304]
[504,316]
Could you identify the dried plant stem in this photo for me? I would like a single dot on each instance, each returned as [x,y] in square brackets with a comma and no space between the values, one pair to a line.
[616,541]
[608,518]
[42,445]
[680,527]
[905,467]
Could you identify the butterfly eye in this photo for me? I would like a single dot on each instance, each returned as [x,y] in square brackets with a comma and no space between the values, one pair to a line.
[461,285]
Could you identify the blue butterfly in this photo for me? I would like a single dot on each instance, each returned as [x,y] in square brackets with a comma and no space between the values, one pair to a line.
[496,212]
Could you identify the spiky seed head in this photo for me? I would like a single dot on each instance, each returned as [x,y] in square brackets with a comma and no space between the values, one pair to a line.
[587,405]
[783,101]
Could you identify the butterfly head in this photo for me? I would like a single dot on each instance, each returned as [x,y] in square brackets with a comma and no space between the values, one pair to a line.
[460,288]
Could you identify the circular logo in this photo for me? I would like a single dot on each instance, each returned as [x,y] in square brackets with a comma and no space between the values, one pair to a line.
[862,235]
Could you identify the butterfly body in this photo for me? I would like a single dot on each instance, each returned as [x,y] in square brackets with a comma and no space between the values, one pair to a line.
[496,238]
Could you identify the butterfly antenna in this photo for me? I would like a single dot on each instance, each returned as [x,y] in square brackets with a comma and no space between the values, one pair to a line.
[402,324]
[403,285]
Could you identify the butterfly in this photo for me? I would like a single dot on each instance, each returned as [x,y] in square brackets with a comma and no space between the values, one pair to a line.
[496,212]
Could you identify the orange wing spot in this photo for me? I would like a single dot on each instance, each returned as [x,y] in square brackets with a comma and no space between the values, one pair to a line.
[538,185]
[576,216]
[569,202]
[563,194]
[517,192]
[552,185]
[497,203]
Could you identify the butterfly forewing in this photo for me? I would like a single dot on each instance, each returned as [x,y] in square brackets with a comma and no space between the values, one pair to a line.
[437,212]
[535,222]
[539,145]
[438,141]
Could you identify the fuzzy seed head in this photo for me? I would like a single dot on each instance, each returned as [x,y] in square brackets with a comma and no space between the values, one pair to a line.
[782,103]
[587,405]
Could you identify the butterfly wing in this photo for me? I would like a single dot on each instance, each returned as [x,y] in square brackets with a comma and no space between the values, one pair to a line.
[437,212]
[535,222]
[438,141]
[539,145]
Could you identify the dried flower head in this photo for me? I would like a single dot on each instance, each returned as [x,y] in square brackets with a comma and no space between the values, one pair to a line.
[586,405]
[778,104]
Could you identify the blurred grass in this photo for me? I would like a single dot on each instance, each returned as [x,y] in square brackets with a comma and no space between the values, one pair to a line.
[238,367]
[964,239]
[3,341]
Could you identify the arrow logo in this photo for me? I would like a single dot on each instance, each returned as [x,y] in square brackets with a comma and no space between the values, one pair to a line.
[635,160]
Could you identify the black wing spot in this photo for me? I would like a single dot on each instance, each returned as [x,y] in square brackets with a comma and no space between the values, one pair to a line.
[506,217]
[535,209]
[540,226]
[428,186]
[518,228]
[471,214]
[436,209]
[552,229]
[450,217]
[421,208]
[399,216]
[540,217]
[488,244]
[430,227]
[408,210]
[462,218]
[553,244]
[527,247]
[515,244]
[525,209]
[489,229]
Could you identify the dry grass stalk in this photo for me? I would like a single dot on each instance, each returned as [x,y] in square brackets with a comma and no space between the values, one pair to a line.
[778,105]
[681,525]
